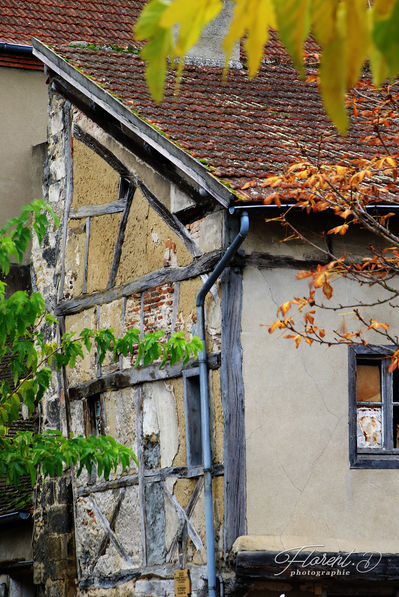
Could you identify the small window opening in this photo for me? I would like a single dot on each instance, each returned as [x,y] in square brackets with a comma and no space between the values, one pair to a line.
[369,404]
[192,411]
[374,408]
[95,423]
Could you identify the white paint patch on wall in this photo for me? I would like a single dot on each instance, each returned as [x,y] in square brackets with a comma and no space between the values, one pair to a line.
[160,416]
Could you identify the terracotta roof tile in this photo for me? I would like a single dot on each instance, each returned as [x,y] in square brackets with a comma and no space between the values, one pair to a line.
[63,21]
[17,499]
[243,130]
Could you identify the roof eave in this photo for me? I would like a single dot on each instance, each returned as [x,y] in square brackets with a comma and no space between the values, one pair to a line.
[181,159]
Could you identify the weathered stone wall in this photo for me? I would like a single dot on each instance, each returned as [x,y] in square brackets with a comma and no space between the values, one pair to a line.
[53,538]
[54,568]
[150,521]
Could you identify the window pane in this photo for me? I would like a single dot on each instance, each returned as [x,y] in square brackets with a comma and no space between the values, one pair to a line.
[369,427]
[395,386]
[368,382]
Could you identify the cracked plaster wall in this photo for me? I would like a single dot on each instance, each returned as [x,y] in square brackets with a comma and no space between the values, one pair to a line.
[23,116]
[300,489]
[166,437]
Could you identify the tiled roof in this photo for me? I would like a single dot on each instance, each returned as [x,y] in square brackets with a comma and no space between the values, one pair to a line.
[242,130]
[59,21]
[17,499]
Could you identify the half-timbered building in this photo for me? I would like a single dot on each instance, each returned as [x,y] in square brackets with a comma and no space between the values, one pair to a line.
[150,200]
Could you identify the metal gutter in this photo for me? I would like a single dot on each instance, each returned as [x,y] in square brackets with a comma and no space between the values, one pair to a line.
[261,206]
[14,517]
[204,393]
[90,89]
[16,48]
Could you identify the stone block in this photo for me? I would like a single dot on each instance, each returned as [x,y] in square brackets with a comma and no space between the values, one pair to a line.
[60,519]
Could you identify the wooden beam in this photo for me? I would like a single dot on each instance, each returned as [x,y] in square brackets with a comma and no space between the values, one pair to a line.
[171,220]
[199,266]
[68,192]
[319,567]
[269,261]
[131,377]
[233,400]
[151,476]
[98,210]
[136,146]
[127,201]
[86,261]
[140,458]
[112,522]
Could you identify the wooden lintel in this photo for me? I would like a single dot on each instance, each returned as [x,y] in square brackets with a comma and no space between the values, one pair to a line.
[317,566]
[107,582]
[98,210]
[269,261]
[151,476]
[131,377]
[201,265]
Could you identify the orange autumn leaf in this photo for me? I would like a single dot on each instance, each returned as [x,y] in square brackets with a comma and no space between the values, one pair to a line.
[284,308]
[339,229]
[303,274]
[327,289]
[376,325]
[277,325]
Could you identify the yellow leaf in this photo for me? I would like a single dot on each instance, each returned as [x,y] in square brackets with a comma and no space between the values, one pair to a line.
[332,75]
[159,46]
[191,17]
[254,17]
[391,161]
[357,39]
[382,8]
[375,325]
[323,15]
[285,307]
[319,281]
[271,181]
[341,170]
[277,325]
[293,23]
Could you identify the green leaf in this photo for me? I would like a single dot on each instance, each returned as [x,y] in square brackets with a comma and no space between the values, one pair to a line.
[386,37]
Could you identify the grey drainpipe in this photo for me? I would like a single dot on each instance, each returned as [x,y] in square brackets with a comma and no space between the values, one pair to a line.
[204,392]
[16,48]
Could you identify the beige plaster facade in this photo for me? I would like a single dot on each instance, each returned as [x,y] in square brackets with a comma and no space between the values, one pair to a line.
[301,490]
[23,121]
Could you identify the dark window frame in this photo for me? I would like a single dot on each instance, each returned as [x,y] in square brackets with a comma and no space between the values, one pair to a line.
[94,421]
[386,457]
[192,410]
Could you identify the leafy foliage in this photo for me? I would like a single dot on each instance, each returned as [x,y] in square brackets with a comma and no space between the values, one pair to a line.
[31,359]
[348,32]
[360,192]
